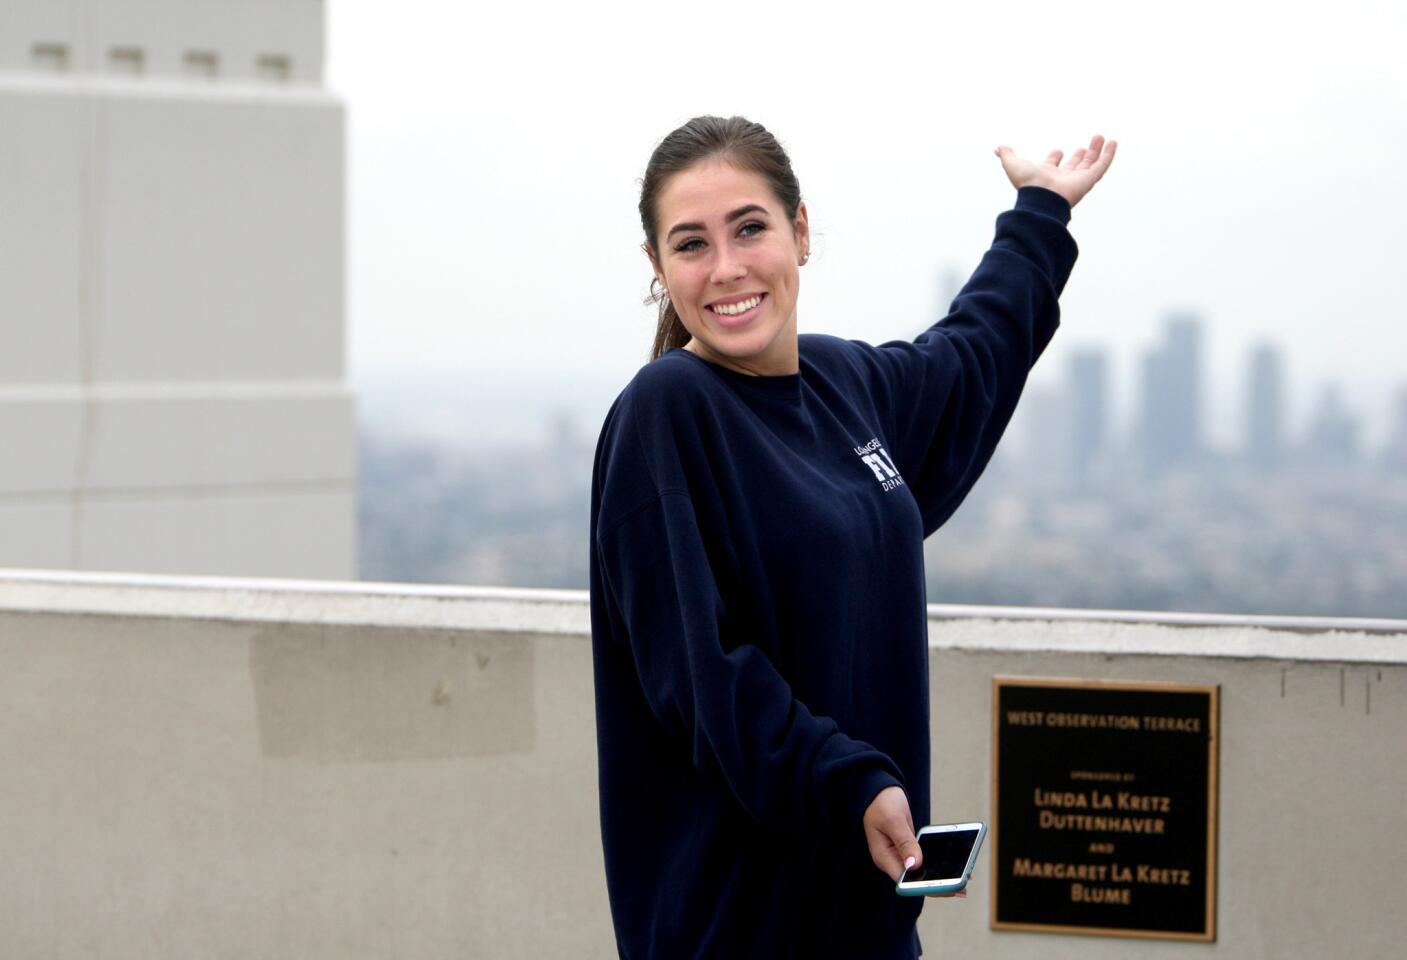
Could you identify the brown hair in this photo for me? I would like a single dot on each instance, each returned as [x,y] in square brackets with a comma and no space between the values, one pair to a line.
[741,142]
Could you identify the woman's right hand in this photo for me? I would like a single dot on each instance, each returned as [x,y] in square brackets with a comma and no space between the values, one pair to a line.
[889,829]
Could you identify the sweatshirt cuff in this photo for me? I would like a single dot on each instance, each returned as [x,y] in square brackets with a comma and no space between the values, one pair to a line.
[867,786]
[1043,201]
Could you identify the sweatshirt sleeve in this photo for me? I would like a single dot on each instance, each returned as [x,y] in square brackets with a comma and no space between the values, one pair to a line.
[791,770]
[950,393]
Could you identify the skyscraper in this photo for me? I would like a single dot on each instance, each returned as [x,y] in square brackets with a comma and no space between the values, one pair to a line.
[950,280]
[1264,442]
[1047,423]
[1333,431]
[1169,422]
[1395,453]
[1088,392]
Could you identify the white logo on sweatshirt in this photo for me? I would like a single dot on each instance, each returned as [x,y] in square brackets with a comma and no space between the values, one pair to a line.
[878,460]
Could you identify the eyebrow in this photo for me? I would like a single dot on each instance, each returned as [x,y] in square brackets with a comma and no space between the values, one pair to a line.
[740,212]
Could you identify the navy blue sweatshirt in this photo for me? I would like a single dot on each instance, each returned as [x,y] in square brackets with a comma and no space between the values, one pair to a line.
[758,613]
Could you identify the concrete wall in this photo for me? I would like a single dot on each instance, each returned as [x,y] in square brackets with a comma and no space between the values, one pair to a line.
[1313,770]
[172,389]
[267,768]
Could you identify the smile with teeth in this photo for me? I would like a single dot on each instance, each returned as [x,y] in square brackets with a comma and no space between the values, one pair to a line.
[733,309]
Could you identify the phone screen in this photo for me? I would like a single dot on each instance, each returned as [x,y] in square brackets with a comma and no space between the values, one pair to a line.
[944,855]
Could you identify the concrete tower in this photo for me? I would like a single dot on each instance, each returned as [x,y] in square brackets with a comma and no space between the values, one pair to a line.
[1395,452]
[1088,374]
[1334,432]
[1265,409]
[172,388]
[1170,420]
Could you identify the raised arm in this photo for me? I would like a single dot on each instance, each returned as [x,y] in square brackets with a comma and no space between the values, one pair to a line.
[949,394]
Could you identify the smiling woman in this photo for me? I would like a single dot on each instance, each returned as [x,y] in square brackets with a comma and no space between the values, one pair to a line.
[728,264]
[759,504]
[734,229]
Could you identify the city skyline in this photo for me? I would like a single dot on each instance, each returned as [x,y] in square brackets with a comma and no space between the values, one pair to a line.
[432,407]
[1300,519]
[1067,424]
[500,233]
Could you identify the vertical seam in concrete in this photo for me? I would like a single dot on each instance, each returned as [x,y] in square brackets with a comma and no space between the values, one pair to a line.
[89,283]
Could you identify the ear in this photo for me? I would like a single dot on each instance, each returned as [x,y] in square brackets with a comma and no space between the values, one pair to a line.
[802,229]
[654,262]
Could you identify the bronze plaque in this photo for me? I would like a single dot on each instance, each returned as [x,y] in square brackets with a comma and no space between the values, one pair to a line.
[1104,807]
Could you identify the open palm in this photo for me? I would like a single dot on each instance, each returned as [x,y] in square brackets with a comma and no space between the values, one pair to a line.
[1072,179]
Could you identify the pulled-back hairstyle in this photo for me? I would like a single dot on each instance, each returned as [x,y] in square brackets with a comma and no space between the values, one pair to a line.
[739,141]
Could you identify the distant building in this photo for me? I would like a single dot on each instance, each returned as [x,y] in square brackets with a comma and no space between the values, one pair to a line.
[1047,424]
[1334,432]
[1169,431]
[1395,451]
[172,389]
[1264,442]
[1088,397]
[950,281]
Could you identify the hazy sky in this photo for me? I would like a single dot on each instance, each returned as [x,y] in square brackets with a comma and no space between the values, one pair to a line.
[493,159]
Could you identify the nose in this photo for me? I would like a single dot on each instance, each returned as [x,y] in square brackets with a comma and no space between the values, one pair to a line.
[727,266]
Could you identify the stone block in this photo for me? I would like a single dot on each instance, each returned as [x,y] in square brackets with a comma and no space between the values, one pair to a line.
[306,533]
[223,437]
[221,242]
[36,532]
[41,199]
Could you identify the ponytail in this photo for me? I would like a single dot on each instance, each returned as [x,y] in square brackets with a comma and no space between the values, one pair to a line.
[670,332]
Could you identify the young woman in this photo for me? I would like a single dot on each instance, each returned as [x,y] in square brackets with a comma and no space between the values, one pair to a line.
[759,504]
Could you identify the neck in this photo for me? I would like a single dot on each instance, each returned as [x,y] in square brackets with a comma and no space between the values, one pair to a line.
[758,366]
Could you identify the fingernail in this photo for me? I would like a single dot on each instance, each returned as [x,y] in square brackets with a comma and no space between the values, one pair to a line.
[909,863]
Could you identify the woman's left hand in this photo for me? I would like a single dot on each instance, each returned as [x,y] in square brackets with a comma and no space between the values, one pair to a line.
[1072,179]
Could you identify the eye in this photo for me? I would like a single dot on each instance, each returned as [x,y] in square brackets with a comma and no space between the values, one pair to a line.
[689,246]
[751,228]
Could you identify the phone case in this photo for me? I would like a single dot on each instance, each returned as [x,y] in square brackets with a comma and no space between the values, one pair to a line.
[950,885]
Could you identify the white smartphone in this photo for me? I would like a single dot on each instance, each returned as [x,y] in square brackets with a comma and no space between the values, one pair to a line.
[949,854]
